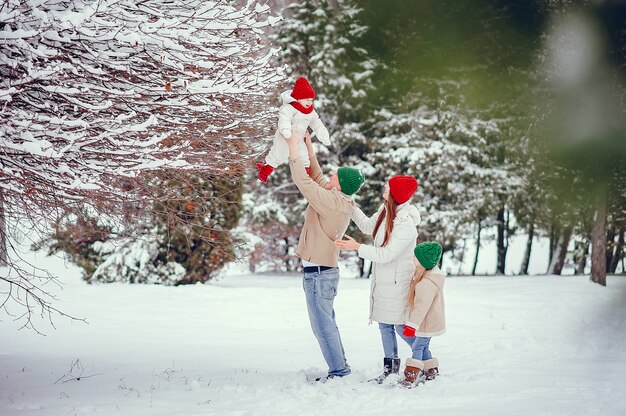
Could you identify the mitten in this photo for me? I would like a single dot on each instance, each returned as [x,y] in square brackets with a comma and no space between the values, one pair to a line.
[408,331]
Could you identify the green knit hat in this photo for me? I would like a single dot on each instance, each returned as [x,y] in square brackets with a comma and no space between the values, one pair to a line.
[428,253]
[350,180]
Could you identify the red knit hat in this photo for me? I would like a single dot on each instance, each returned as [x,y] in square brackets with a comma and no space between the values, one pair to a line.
[402,188]
[302,89]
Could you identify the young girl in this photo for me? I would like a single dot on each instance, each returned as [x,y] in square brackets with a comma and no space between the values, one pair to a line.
[395,233]
[426,316]
[295,117]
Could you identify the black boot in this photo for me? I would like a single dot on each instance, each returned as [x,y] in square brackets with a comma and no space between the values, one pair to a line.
[390,366]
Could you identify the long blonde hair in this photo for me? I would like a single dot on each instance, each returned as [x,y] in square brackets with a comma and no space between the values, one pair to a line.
[420,271]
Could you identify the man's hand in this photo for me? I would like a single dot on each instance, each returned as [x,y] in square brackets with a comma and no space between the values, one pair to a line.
[293,145]
[293,141]
[349,244]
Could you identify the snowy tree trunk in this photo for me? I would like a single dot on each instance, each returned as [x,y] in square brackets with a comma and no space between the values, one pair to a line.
[502,241]
[619,251]
[477,248]
[368,274]
[582,261]
[560,251]
[552,243]
[610,246]
[461,258]
[3,232]
[598,243]
[529,245]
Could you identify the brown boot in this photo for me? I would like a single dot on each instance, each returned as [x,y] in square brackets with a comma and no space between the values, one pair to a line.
[413,373]
[431,369]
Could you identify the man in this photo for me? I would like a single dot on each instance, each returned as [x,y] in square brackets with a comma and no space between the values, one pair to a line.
[325,220]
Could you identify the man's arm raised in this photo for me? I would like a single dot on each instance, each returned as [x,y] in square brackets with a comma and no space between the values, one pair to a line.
[321,199]
[316,170]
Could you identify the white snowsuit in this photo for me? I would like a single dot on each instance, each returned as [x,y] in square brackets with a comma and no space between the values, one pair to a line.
[290,119]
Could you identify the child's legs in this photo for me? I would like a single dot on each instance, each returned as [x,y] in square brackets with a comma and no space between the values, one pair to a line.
[420,348]
[388,337]
[408,340]
[279,152]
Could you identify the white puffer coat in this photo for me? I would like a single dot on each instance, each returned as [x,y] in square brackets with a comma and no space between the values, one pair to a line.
[393,263]
[291,119]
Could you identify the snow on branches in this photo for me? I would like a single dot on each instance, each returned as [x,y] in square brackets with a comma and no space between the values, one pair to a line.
[97,88]
[98,97]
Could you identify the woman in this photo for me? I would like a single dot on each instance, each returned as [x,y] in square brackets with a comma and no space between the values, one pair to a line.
[394,230]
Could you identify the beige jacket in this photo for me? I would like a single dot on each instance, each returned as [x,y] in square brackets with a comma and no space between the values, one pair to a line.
[428,315]
[326,218]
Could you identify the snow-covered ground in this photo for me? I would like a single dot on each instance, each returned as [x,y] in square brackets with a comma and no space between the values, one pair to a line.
[242,345]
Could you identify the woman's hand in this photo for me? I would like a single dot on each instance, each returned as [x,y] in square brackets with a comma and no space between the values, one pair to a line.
[349,244]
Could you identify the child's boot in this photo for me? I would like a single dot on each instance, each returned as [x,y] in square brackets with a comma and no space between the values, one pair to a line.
[431,368]
[413,373]
[265,171]
[390,366]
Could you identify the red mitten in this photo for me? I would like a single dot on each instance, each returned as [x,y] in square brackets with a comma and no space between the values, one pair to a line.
[408,331]
[308,171]
[265,171]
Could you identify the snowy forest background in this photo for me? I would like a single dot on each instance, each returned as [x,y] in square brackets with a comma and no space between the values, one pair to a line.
[130,130]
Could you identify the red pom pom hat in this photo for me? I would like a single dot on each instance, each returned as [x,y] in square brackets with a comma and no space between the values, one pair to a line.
[302,89]
[402,188]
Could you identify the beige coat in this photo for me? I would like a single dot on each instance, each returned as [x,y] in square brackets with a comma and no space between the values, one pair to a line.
[428,315]
[326,217]
[393,266]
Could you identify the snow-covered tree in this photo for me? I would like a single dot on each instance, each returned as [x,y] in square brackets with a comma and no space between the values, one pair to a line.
[184,237]
[97,94]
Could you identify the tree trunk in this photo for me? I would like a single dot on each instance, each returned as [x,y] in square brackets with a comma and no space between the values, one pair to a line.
[598,243]
[582,261]
[462,257]
[619,251]
[477,248]
[361,264]
[3,232]
[369,271]
[529,246]
[502,245]
[610,246]
[553,236]
[287,257]
[560,251]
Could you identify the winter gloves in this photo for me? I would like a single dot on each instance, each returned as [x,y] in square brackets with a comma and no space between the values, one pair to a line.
[265,171]
[408,331]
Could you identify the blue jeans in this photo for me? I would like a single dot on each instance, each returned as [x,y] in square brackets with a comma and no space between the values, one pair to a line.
[388,336]
[420,348]
[320,290]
